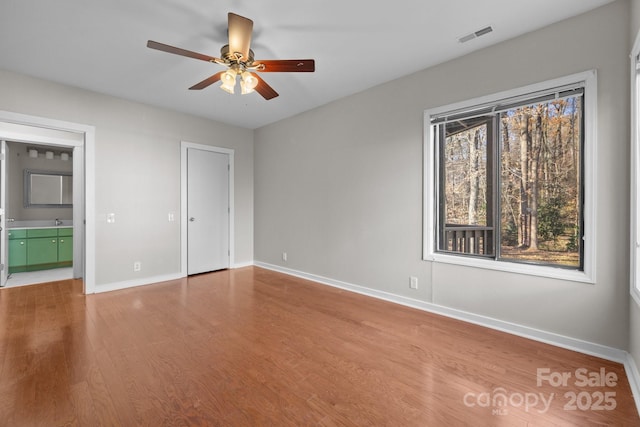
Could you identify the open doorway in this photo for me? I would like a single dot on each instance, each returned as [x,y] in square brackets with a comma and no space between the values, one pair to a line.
[59,135]
[39,213]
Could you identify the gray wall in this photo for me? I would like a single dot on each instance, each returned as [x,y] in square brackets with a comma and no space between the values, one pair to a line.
[137,169]
[634,318]
[339,188]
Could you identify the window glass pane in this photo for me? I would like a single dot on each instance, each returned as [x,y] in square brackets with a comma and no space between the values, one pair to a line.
[540,173]
[465,211]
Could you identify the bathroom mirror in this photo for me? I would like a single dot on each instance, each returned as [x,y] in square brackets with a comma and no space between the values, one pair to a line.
[48,189]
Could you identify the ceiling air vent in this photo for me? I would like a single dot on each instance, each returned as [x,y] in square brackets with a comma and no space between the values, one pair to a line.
[475,34]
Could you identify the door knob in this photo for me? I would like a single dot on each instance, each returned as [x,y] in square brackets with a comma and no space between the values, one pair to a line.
[192,219]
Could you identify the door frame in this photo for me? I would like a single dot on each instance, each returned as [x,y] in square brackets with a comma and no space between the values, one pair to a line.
[4,233]
[184,252]
[83,187]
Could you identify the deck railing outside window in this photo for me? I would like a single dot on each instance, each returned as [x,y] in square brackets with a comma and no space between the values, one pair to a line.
[468,239]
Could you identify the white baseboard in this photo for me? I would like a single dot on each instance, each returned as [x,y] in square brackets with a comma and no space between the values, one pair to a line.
[136,282]
[243,264]
[593,349]
[633,376]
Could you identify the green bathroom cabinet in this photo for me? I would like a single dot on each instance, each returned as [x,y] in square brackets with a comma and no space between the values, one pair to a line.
[17,250]
[40,248]
[65,245]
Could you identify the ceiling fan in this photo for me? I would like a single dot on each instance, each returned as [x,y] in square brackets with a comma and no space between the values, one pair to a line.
[239,60]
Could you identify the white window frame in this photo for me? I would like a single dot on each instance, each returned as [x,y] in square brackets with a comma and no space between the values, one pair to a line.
[635,174]
[588,275]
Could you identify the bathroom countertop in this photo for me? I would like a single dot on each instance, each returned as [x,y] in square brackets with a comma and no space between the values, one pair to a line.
[38,227]
[16,225]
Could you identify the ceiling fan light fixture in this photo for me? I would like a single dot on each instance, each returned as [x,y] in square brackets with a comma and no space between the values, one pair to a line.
[228,79]
[248,83]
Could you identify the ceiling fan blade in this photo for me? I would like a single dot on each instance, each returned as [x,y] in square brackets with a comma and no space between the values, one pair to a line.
[287,65]
[183,52]
[264,89]
[207,82]
[240,29]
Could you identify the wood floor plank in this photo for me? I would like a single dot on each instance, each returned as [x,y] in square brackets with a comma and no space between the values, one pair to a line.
[83,406]
[252,347]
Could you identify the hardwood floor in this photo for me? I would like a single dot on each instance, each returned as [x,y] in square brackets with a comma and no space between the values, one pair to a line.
[251,347]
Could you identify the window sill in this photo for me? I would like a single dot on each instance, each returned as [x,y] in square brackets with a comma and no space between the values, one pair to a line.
[512,267]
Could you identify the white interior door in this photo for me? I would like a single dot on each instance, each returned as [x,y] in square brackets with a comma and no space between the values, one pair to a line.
[207,211]
[4,236]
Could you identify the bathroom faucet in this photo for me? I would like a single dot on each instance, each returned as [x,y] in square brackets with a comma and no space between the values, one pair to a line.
[58,222]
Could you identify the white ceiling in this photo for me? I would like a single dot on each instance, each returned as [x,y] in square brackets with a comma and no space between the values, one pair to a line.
[100,45]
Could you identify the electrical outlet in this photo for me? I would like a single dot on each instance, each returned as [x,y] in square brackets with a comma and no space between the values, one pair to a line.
[111,218]
[284,256]
[137,266]
[171,217]
[413,282]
